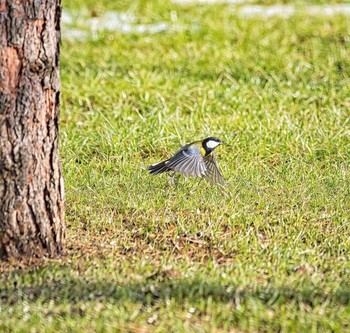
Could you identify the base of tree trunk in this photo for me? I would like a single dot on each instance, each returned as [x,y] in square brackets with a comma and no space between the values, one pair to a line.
[31,183]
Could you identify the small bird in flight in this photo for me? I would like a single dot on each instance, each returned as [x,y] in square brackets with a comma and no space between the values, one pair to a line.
[195,159]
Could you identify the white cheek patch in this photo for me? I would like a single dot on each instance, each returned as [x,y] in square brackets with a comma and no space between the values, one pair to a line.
[212,144]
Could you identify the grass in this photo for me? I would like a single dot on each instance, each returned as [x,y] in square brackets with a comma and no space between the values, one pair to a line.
[144,255]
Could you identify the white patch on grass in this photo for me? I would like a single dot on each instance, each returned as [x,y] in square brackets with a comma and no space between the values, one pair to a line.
[248,10]
[79,26]
[266,11]
[193,2]
[290,10]
[75,34]
[343,9]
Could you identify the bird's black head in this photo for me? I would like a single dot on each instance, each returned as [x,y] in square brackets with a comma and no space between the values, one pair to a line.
[209,144]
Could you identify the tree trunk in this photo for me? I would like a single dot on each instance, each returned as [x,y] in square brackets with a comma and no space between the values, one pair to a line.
[31,184]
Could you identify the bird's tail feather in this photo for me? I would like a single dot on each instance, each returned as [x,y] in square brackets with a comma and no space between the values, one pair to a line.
[158,168]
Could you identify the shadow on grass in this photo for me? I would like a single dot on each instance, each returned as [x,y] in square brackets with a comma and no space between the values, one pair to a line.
[159,289]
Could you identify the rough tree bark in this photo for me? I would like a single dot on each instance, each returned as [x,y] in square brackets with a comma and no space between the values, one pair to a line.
[31,184]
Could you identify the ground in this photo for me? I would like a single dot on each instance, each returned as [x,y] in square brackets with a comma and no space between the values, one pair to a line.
[270,252]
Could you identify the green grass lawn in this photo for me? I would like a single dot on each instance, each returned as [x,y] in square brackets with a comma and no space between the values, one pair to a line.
[271,253]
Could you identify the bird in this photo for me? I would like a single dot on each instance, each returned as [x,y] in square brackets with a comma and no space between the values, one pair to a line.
[194,159]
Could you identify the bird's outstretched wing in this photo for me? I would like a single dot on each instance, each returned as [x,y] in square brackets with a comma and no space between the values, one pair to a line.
[213,172]
[188,162]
